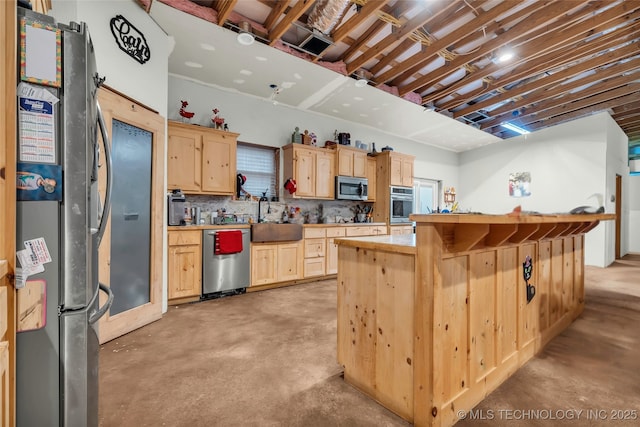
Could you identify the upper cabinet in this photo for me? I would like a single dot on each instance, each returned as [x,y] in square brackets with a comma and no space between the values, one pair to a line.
[371,179]
[201,160]
[312,168]
[350,161]
[400,169]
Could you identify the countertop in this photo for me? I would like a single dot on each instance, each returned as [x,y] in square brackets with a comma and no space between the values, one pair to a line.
[523,218]
[402,243]
[244,225]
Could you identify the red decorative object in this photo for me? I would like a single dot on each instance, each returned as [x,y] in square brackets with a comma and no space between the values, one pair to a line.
[217,121]
[184,113]
[291,185]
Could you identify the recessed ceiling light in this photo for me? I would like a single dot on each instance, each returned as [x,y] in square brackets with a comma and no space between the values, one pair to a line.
[193,64]
[361,82]
[246,72]
[261,58]
[245,39]
[207,46]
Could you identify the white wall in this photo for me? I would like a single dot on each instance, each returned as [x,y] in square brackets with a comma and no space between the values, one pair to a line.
[146,83]
[568,163]
[260,122]
[617,164]
[633,197]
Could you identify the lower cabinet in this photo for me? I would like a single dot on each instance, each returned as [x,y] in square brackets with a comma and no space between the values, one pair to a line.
[185,264]
[314,252]
[395,230]
[332,248]
[276,262]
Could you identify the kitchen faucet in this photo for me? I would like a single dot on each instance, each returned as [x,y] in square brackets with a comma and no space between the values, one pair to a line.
[262,199]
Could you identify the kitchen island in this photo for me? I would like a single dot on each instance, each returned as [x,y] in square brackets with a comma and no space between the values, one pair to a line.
[429,324]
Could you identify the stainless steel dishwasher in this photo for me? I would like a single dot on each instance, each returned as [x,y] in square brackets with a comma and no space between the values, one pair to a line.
[225,274]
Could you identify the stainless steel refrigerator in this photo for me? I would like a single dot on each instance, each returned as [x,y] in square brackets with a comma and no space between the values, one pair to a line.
[57,364]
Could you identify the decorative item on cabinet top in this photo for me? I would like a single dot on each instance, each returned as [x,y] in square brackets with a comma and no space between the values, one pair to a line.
[218,122]
[186,115]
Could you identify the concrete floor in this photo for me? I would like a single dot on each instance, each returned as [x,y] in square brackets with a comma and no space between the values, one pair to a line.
[268,359]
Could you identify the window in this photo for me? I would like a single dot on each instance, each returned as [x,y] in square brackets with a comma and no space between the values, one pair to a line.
[259,164]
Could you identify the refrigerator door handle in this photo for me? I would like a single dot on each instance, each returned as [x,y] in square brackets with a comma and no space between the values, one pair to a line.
[93,318]
[107,197]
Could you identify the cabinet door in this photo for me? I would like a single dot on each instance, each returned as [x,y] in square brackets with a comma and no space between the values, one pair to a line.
[325,173]
[360,164]
[345,162]
[264,267]
[395,170]
[184,160]
[332,256]
[290,261]
[371,179]
[218,164]
[407,171]
[313,248]
[305,172]
[185,271]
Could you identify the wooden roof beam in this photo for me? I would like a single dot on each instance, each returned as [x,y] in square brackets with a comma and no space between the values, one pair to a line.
[277,10]
[224,9]
[504,113]
[361,43]
[292,15]
[433,28]
[533,22]
[403,32]
[632,98]
[420,59]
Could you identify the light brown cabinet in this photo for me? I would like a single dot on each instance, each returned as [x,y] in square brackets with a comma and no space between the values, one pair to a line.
[332,249]
[401,169]
[185,264]
[312,168]
[276,262]
[371,179]
[395,230]
[314,252]
[200,160]
[350,161]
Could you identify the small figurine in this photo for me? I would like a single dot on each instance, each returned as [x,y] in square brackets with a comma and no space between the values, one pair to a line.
[314,139]
[296,137]
[187,115]
[217,121]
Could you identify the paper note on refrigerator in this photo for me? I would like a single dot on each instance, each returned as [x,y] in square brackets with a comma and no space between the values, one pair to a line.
[38,251]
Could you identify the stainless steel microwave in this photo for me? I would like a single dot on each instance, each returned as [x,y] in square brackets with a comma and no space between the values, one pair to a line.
[401,204]
[351,188]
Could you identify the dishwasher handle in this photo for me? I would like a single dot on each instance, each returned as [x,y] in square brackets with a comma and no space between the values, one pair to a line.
[213,232]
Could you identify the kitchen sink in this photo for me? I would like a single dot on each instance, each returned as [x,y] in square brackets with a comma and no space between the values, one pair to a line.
[275,232]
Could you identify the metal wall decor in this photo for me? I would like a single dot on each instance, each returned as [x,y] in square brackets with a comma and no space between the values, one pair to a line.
[527,267]
[129,39]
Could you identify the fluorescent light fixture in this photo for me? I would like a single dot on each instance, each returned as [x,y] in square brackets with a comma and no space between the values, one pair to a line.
[514,128]
[505,56]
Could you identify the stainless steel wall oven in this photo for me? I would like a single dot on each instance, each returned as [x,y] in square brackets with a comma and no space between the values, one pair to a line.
[401,204]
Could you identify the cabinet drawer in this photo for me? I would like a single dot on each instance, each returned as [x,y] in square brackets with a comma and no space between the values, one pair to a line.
[314,233]
[314,248]
[179,238]
[362,231]
[336,232]
[313,267]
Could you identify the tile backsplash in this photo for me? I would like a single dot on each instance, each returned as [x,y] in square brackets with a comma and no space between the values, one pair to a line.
[307,211]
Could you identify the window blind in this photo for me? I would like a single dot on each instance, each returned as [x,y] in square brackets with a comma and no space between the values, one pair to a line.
[258,164]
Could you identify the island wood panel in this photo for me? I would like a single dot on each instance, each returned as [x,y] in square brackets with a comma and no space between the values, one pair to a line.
[568,300]
[529,311]
[543,286]
[506,301]
[555,293]
[379,313]
[578,271]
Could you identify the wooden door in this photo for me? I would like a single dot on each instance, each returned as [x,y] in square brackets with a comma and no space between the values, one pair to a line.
[305,171]
[184,276]
[395,170]
[8,79]
[184,159]
[345,162]
[360,164]
[407,171]
[218,163]
[324,177]
[371,179]
[290,261]
[264,267]
[117,107]
[618,213]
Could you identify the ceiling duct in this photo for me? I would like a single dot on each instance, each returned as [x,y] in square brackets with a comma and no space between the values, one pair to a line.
[326,14]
